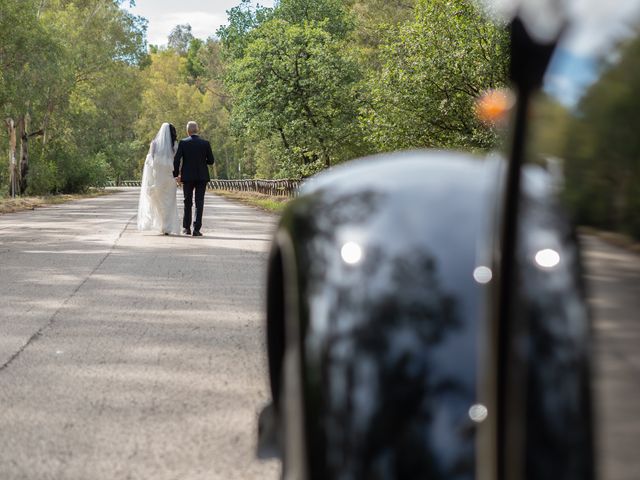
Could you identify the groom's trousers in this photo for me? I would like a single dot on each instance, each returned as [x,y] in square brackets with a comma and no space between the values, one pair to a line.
[188,189]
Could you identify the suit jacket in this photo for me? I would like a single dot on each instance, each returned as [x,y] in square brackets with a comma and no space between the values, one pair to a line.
[195,154]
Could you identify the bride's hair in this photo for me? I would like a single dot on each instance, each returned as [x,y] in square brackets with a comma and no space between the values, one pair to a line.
[174,134]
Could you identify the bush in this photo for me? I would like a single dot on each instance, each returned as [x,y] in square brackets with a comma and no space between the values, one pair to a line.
[43,175]
[77,175]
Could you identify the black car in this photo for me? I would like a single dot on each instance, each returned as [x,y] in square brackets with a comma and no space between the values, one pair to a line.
[426,312]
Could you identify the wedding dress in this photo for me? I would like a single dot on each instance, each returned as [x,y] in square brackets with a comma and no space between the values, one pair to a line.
[157,208]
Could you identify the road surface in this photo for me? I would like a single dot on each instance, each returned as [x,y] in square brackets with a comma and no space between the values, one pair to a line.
[138,356]
[131,356]
[613,278]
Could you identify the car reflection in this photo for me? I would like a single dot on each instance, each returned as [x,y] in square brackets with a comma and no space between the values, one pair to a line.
[386,334]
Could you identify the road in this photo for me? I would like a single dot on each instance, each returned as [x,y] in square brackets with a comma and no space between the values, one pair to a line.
[131,356]
[135,356]
[613,278]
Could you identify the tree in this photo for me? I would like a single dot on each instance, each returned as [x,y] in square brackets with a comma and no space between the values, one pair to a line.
[377,23]
[195,63]
[242,21]
[296,85]
[170,95]
[29,56]
[104,48]
[602,155]
[432,73]
[180,38]
[69,65]
[390,12]
[330,15]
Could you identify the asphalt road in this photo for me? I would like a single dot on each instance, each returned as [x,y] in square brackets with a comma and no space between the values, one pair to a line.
[136,356]
[131,356]
[613,278]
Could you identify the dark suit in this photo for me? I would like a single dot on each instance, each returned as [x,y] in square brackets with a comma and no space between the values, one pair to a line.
[195,154]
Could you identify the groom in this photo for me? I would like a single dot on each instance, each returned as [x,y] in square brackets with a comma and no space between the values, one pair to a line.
[195,154]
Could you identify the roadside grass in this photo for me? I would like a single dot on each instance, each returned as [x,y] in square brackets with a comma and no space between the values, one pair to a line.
[613,238]
[19,204]
[265,202]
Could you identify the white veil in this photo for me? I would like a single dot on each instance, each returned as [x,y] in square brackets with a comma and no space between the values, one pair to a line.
[157,184]
[162,147]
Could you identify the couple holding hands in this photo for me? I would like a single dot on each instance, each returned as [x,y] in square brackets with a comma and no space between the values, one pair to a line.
[168,164]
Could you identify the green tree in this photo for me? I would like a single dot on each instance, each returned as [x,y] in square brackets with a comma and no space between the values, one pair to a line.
[104,48]
[31,75]
[603,156]
[242,19]
[72,70]
[180,38]
[330,15]
[170,95]
[293,84]
[195,63]
[431,75]
[377,23]
[296,85]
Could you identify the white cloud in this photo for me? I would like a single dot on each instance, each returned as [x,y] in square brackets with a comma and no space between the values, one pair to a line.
[589,41]
[593,24]
[601,25]
[203,25]
[204,16]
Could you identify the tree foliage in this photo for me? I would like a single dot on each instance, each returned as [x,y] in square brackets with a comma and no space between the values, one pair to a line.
[296,87]
[180,38]
[169,97]
[318,82]
[242,20]
[332,15]
[432,73]
[282,91]
[376,19]
[602,147]
[70,79]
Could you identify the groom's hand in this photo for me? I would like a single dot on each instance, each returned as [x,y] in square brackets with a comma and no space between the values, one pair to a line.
[179,179]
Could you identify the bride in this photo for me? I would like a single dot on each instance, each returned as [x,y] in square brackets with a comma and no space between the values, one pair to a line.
[157,208]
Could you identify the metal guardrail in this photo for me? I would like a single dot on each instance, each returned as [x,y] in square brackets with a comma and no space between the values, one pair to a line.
[286,187]
[123,183]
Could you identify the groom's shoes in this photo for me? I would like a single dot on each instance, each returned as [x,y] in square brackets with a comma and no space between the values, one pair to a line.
[186,231]
[196,233]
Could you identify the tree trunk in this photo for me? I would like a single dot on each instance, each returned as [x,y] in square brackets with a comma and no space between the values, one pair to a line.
[21,171]
[327,160]
[13,168]
[23,128]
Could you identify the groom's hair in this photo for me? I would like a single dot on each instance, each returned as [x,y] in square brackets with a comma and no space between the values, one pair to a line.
[192,127]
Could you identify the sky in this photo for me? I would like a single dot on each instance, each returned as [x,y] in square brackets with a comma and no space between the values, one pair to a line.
[204,16]
[576,64]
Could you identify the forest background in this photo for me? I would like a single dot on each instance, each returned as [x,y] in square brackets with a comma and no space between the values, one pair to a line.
[280,92]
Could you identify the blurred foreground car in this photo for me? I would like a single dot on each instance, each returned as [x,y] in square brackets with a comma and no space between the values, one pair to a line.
[426,314]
